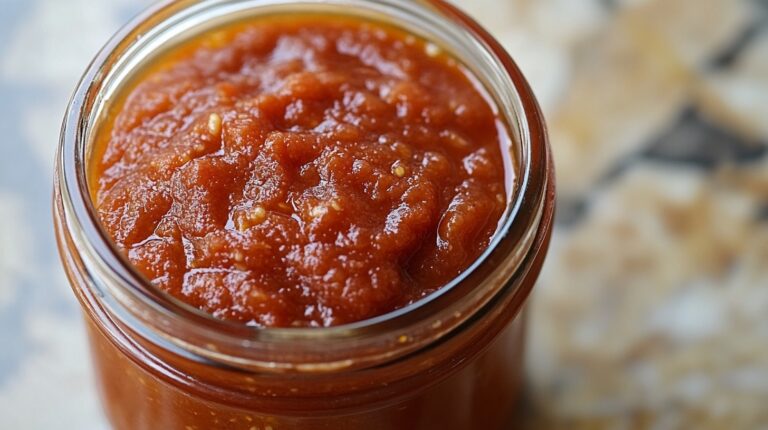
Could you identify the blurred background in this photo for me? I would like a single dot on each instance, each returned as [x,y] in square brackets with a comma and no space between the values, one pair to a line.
[652,310]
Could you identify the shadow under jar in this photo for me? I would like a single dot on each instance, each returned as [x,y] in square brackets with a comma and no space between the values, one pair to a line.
[452,360]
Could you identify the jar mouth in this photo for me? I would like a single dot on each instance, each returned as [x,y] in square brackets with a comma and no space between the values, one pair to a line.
[155,314]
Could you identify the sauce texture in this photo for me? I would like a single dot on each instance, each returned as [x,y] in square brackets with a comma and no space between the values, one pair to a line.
[307,172]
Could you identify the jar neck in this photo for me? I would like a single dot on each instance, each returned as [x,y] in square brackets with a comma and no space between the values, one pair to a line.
[501,276]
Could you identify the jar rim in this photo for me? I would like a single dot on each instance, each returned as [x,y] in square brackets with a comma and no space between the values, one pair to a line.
[155,314]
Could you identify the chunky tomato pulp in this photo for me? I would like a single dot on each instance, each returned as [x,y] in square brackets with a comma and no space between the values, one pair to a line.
[310,171]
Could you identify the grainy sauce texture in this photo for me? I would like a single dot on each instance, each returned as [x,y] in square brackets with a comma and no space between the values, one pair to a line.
[304,172]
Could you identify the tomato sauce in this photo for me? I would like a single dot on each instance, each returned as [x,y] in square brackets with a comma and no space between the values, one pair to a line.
[311,171]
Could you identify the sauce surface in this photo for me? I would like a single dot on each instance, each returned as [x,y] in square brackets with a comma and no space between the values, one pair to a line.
[308,172]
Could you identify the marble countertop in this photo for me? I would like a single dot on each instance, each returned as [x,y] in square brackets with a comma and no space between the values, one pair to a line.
[652,309]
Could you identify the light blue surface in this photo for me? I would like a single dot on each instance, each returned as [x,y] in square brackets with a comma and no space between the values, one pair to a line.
[44,46]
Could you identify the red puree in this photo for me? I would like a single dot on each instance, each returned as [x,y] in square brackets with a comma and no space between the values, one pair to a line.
[304,172]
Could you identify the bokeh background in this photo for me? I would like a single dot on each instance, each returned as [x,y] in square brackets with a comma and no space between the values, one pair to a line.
[652,310]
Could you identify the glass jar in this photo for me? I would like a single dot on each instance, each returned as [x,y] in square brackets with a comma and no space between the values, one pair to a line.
[450,361]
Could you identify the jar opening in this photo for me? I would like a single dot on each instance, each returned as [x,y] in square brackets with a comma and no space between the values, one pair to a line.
[156,315]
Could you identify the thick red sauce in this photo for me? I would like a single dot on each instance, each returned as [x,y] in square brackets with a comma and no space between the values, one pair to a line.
[306,172]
